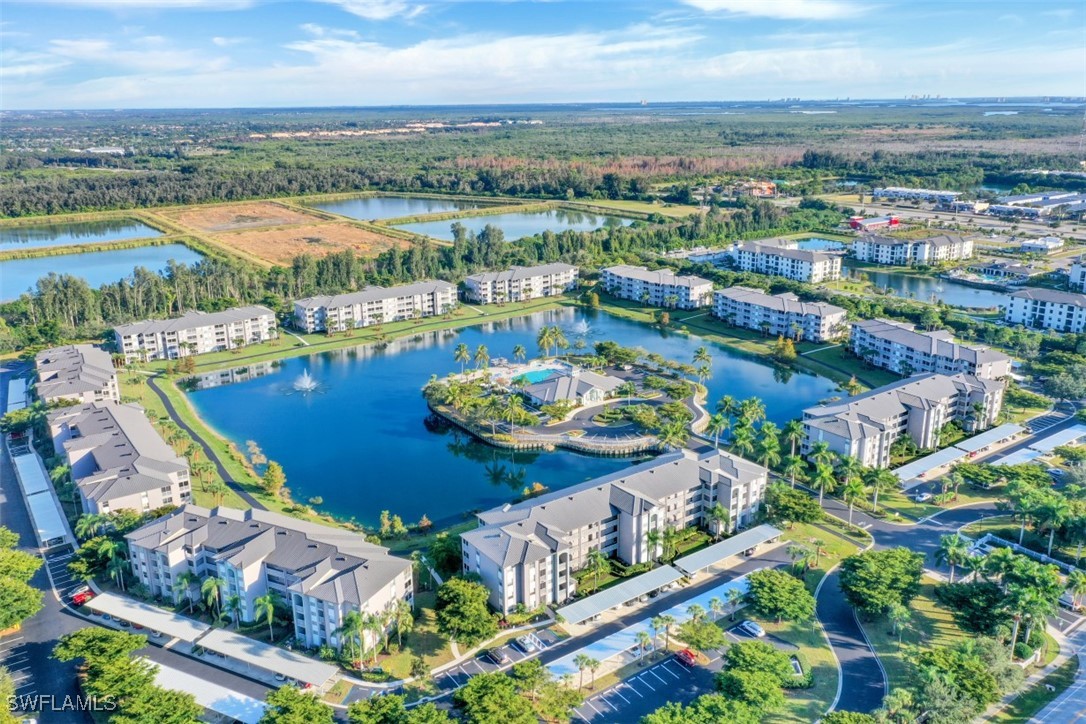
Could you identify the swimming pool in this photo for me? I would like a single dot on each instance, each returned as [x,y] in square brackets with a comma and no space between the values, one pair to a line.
[534,376]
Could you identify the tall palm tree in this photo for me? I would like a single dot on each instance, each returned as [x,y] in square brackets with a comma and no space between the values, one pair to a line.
[1076,585]
[734,596]
[793,464]
[727,406]
[880,480]
[211,588]
[671,540]
[582,662]
[92,524]
[403,618]
[953,551]
[374,625]
[853,491]
[351,628]
[492,409]
[673,434]
[655,539]
[666,621]
[593,665]
[824,479]
[716,607]
[657,624]
[696,612]
[544,338]
[643,642]
[718,425]
[743,439]
[702,357]
[482,357]
[596,564]
[116,569]
[800,555]
[821,453]
[1052,515]
[752,410]
[519,353]
[514,408]
[792,434]
[233,607]
[719,517]
[462,355]
[264,607]
[184,582]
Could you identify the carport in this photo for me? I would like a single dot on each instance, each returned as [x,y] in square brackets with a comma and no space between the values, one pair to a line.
[45,514]
[211,696]
[1064,437]
[719,552]
[629,590]
[170,625]
[265,657]
[986,439]
[914,473]
[16,394]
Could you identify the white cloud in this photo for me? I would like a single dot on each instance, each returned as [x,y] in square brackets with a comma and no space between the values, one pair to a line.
[18,64]
[320,31]
[223,42]
[149,57]
[379,9]
[781,9]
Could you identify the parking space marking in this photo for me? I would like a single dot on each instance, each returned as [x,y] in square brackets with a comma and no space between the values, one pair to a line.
[662,679]
[646,683]
[664,667]
[589,702]
[620,696]
[606,703]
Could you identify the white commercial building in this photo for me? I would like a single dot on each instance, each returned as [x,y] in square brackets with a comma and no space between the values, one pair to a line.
[526,553]
[520,283]
[319,573]
[1044,245]
[76,372]
[374,305]
[1047,309]
[659,288]
[779,314]
[196,333]
[1076,275]
[902,252]
[866,426]
[900,348]
[899,193]
[117,459]
[801,265]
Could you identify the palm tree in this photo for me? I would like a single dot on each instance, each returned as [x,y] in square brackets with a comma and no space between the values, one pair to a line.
[654,538]
[404,620]
[696,612]
[734,596]
[752,410]
[116,569]
[743,439]
[880,480]
[1052,515]
[718,425]
[373,624]
[673,434]
[769,447]
[821,453]
[666,622]
[716,607]
[482,357]
[519,353]
[953,551]
[596,564]
[702,357]
[582,662]
[593,664]
[670,540]
[794,464]
[514,408]
[233,606]
[492,409]
[462,355]
[719,516]
[643,642]
[351,628]
[793,434]
[211,588]
[545,338]
[264,607]
[899,616]
[854,490]
[726,406]
[92,524]
[184,582]
[824,479]
[800,555]
[1076,586]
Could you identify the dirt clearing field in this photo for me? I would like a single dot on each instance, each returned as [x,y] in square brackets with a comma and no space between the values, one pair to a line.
[235,217]
[280,245]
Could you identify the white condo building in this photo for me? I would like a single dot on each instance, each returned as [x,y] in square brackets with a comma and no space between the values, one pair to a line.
[76,372]
[196,333]
[779,314]
[659,288]
[319,573]
[374,305]
[802,265]
[520,283]
[117,459]
[1047,309]
[893,251]
[900,348]
[1076,276]
[866,426]
[526,553]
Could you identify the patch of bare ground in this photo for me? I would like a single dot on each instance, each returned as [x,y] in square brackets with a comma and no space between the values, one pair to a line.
[235,217]
[280,245]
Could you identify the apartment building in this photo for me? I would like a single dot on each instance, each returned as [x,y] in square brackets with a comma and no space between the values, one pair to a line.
[866,426]
[117,459]
[520,283]
[319,573]
[196,333]
[659,288]
[779,314]
[802,265]
[374,305]
[892,251]
[527,553]
[1076,275]
[1047,309]
[900,348]
[76,372]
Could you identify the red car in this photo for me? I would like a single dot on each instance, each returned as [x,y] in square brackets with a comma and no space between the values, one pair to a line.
[81,596]
[687,657]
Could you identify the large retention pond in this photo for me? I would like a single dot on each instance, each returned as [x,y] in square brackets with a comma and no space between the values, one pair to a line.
[97,267]
[932,289]
[84,232]
[361,442]
[518,224]
[367,208]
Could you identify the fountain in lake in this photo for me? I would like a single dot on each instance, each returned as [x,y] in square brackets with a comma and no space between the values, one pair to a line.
[582,328]
[305,383]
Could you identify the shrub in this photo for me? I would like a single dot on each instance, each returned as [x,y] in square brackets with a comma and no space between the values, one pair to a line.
[1022,651]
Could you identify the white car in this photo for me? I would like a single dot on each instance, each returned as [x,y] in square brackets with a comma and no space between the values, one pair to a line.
[752,628]
[922,497]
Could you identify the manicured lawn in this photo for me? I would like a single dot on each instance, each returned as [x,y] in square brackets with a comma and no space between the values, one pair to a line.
[831,549]
[424,641]
[1004,526]
[931,625]
[807,705]
[1032,700]
[838,359]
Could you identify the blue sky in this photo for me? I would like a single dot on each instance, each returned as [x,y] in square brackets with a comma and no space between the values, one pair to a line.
[235,53]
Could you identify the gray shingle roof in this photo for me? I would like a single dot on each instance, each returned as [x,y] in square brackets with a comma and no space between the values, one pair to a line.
[72,369]
[375,293]
[1052,296]
[784,303]
[522,272]
[656,276]
[787,253]
[192,320]
[939,342]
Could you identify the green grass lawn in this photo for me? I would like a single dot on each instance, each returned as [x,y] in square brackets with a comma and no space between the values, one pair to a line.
[424,641]
[1006,527]
[931,625]
[838,359]
[807,705]
[1032,700]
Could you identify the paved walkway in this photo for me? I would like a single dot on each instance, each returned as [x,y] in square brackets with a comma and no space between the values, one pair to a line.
[1070,706]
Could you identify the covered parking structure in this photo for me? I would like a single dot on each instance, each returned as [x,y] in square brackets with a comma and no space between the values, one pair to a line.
[914,473]
[268,658]
[629,590]
[41,502]
[1069,436]
[995,436]
[211,696]
[17,398]
[720,552]
[139,613]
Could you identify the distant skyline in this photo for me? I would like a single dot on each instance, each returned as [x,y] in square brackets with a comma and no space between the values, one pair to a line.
[94,54]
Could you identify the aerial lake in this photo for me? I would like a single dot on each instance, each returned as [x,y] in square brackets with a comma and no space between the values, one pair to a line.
[83,232]
[368,208]
[927,289]
[816,243]
[516,225]
[363,441]
[97,267]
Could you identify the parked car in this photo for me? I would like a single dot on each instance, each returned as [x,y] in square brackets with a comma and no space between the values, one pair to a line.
[525,644]
[156,634]
[1056,473]
[922,497]
[80,596]
[498,656]
[123,624]
[687,657]
[752,628]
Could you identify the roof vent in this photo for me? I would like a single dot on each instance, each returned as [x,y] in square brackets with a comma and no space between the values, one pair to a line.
[311,545]
[223,522]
